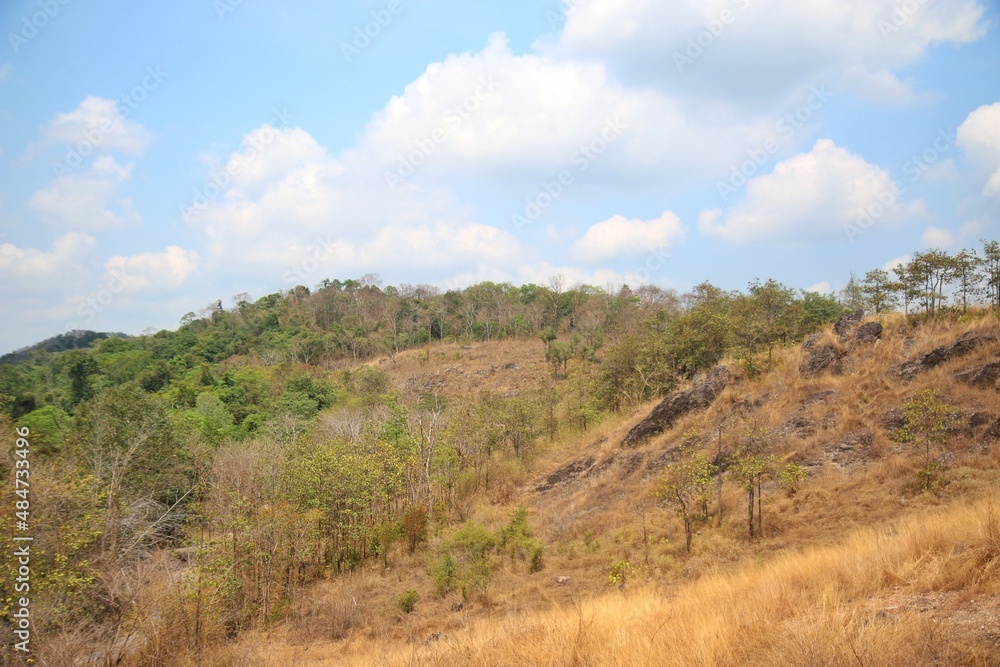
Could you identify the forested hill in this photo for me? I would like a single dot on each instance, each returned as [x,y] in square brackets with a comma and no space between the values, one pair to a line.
[71,340]
[194,485]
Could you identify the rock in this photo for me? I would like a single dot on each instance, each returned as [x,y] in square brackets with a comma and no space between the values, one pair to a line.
[457,606]
[821,359]
[704,390]
[993,432]
[812,341]
[984,376]
[817,397]
[847,323]
[856,447]
[562,581]
[978,419]
[868,333]
[893,419]
[963,345]
[510,366]
[567,473]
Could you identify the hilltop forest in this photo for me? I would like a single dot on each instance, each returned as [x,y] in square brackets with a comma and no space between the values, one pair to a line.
[191,489]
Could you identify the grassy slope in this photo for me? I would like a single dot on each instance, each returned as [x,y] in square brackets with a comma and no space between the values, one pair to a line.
[858,567]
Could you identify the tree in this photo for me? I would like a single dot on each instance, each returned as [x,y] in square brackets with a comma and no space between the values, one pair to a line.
[991,272]
[965,271]
[878,292]
[687,486]
[926,422]
[852,297]
[126,441]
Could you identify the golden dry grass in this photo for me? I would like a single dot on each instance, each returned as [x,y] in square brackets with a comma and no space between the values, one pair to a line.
[864,602]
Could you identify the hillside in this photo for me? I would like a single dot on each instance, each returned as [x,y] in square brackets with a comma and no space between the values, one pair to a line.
[278,484]
[858,564]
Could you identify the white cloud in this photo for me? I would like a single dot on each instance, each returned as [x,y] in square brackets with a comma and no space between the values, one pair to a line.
[620,236]
[810,196]
[807,43]
[157,270]
[99,124]
[937,237]
[896,263]
[881,87]
[979,137]
[500,118]
[21,267]
[88,199]
[821,288]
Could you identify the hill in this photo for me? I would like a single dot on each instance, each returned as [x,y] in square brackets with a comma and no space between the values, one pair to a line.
[290,481]
[860,563]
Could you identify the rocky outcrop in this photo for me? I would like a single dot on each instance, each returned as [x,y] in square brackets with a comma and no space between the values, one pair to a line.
[821,359]
[847,324]
[962,346]
[868,333]
[985,376]
[702,393]
[567,473]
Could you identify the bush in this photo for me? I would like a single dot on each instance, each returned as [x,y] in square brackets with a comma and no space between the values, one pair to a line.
[444,573]
[407,601]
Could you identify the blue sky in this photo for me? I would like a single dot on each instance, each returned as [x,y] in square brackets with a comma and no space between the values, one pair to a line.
[158,158]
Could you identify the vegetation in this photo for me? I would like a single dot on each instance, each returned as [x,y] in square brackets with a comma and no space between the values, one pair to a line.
[194,487]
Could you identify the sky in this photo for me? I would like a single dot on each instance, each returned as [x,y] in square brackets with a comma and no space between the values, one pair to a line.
[158,157]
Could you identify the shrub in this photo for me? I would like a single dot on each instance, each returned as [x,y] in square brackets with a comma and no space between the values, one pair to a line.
[407,601]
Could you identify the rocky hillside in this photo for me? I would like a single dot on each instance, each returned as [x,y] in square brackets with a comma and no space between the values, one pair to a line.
[838,407]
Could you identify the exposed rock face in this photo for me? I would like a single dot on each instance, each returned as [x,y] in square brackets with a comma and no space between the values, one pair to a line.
[984,376]
[827,357]
[963,345]
[868,333]
[567,473]
[702,393]
[893,419]
[847,323]
[811,341]
[993,432]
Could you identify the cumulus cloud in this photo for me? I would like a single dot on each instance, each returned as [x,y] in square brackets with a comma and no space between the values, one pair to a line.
[29,266]
[153,270]
[811,196]
[979,137]
[881,87]
[89,199]
[937,237]
[99,124]
[821,288]
[713,49]
[620,236]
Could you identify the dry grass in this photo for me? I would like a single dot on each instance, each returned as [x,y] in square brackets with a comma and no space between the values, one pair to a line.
[861,602]
[857,568]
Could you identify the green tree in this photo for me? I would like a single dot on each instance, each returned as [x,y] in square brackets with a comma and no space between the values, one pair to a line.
[926,422]
[968,278]
[990,268]
[878,292]
[688,486]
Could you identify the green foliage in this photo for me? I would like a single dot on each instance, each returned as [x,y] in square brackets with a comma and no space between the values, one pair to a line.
[926,422]
[445,574]
[407,601]
[688,486]
[516,538]
[619,573]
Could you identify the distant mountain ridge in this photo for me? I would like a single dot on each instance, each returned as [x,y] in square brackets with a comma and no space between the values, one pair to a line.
[71,340]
